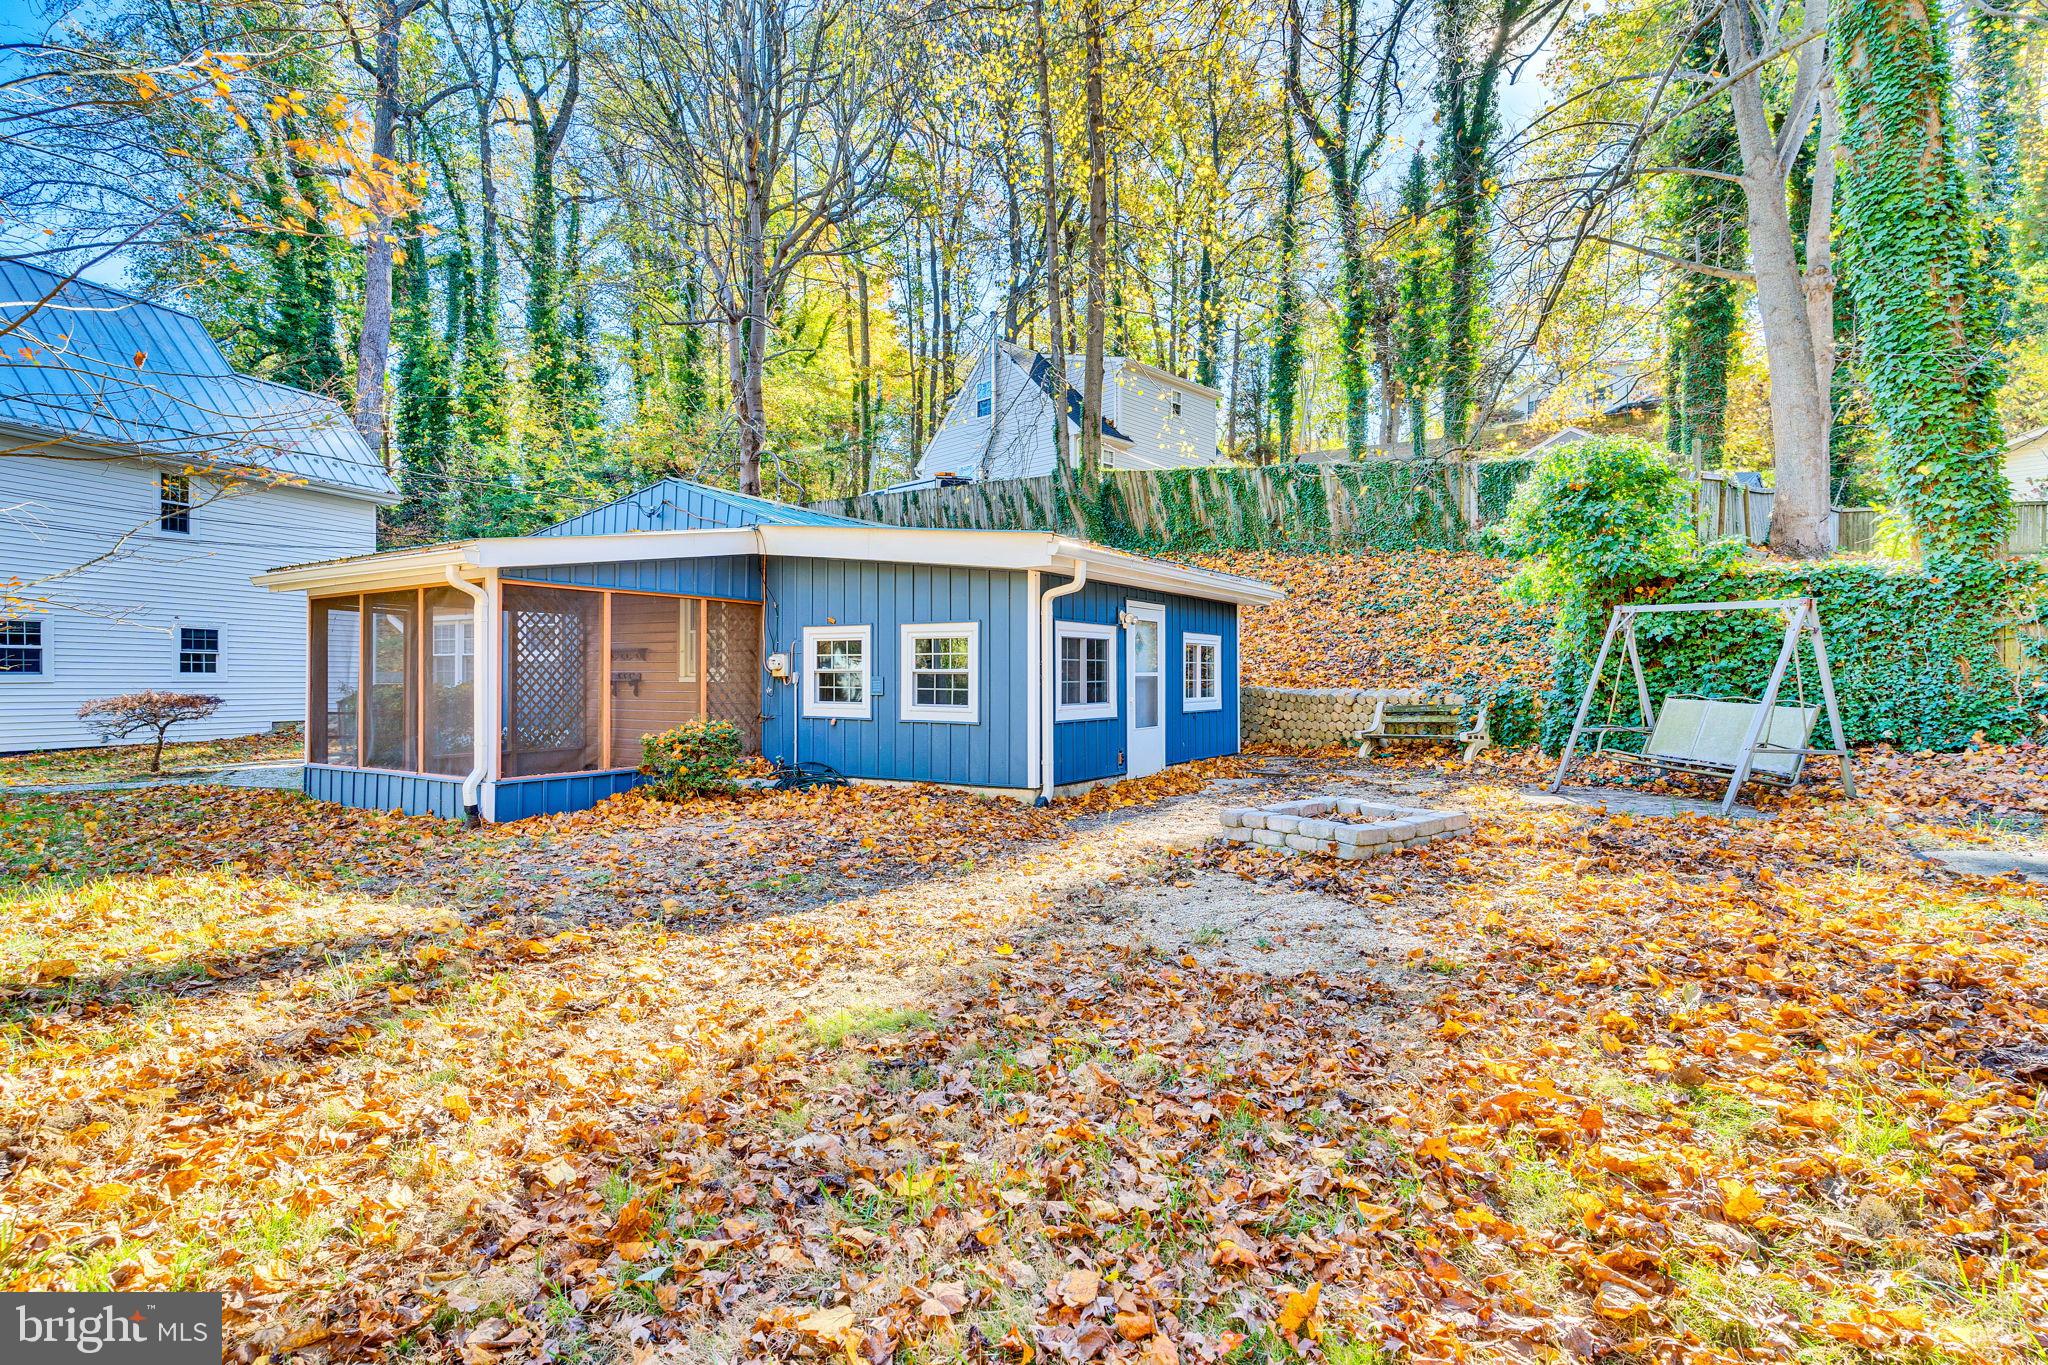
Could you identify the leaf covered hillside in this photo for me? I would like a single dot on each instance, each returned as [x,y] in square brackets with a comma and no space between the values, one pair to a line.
[1405,618]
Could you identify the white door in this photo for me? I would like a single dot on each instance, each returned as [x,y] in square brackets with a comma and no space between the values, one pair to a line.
[1145,645]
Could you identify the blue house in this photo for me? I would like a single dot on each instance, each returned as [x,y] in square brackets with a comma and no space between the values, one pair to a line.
[1023,663]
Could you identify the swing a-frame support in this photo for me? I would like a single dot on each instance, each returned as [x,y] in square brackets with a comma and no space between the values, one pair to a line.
[1759,741]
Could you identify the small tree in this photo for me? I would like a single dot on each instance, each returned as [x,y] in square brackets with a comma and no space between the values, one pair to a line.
[135,713]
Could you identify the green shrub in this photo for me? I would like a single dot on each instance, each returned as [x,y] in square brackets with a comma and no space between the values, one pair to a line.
[1597,519]
[700,756]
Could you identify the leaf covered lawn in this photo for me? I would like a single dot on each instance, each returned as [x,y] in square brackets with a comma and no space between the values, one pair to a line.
[119,762]
[871,1075]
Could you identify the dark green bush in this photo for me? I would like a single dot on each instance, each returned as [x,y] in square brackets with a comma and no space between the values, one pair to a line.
[700,756]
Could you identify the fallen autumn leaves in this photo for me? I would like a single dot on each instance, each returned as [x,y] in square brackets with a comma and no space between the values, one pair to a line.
[854,1075]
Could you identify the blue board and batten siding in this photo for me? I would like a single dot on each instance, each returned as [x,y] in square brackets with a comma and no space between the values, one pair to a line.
[994,751]
[372,789]
[734,577]
[516,800]
[1091,750]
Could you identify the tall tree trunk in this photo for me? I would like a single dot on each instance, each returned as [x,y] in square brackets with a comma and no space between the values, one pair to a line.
[373,345]
[1055,295]
[1799,408]
[866,383]
[1098,249]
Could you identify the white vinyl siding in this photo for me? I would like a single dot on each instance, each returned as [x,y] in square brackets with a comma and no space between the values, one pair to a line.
[115,626]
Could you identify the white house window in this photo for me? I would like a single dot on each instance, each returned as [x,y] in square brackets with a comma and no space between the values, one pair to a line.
[23,651]
[941,672]
[1087,670]
[454,644]
[984,399]
[1174,400]
[174,503]
[1201,672]
[836,672]
[687,646]
[198,649]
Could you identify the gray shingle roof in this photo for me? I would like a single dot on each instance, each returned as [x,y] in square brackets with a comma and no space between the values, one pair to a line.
[105,370]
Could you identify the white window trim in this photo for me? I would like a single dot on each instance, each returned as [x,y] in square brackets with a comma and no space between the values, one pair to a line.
[191,503]
[970,714]
[1201,641]
[864,709]
[49,673]
[220,650]
[1082,630]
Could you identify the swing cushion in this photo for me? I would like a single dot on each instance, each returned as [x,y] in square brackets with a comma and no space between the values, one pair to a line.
[1694,730]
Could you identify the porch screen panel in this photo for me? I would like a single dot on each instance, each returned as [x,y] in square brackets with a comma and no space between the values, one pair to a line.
[553,688]
[733,660]
[337,642]
[449,677]
[391,714]
[654,675]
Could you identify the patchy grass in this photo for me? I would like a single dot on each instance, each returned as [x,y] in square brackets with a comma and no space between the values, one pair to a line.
[116,762]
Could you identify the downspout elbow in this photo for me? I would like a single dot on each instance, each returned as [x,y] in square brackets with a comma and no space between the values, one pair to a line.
[480,699]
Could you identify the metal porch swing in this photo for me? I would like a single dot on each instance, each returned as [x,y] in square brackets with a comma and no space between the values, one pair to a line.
[1757,741]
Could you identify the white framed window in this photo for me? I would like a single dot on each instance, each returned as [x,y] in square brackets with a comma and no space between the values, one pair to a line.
[1086,677]
[24,648]
[1174,400]
[453,641]
[836,672]
[942,672]
[174,504]
[1201,672]
[984,399]
[198,649]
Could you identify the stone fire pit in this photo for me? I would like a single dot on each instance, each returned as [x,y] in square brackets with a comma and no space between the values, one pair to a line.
[1340,826]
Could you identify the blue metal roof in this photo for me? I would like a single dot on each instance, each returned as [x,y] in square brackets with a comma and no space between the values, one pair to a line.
[98,368]
[680,505]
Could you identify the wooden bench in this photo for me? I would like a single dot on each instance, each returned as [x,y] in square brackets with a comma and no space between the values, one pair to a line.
[1424,722]
[1703,737]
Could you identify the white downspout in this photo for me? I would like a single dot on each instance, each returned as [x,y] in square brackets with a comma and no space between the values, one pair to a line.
[1048,680]
[483,729]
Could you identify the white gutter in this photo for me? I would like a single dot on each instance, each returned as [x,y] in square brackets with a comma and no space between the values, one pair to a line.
[482,703]
[1049,668]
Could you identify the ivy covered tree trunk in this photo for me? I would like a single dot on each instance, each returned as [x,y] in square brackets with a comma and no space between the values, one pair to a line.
[1927,320]
[1284,368]
[1415,329]
[422,423]
[2000,87]
[1468,104]
[1703,219]
[546,341]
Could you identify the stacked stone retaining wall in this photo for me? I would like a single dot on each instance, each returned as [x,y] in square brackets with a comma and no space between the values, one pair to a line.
[1315,717]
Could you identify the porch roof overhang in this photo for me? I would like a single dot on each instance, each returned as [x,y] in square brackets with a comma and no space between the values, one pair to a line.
[1020,550]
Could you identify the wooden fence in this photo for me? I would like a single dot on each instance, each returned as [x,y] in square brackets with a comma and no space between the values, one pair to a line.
[1723,507]
[1386,503]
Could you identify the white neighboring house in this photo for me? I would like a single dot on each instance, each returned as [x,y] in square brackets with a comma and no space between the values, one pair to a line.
[2026,465]
[999,426]
[142,483]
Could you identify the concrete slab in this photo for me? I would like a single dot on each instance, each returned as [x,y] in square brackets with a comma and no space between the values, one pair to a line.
[1626,801]
[2029,865]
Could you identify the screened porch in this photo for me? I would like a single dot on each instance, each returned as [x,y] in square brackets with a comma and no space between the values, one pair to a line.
[583,674]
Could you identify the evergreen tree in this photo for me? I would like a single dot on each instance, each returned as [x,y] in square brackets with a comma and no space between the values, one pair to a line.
[423,422]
